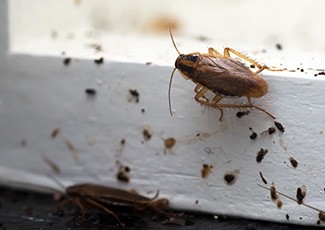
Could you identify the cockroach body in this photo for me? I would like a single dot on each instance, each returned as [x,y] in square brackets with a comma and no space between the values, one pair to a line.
[224,76]
[108,199]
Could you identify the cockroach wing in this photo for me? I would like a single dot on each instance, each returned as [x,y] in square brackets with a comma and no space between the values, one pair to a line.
[228,77]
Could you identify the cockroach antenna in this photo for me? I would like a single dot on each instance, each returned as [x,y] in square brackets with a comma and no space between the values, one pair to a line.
[169,91]
[171,36]
[172,75]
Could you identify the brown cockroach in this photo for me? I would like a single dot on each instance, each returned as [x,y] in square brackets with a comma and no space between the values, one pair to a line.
[224,76]
[108,199]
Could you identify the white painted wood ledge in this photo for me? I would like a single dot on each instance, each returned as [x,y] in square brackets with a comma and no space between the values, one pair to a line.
[38,93]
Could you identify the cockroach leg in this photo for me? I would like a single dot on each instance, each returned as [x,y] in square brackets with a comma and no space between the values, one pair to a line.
[214,52]
[259,108]
[105,209]
[79,204]
[263,110]
[198,88]
[260,67]
[200,94]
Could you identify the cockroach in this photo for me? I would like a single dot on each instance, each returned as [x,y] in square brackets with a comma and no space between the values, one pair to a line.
[224,76]
[108,199]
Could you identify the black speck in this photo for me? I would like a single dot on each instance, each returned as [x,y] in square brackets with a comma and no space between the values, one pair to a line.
[300,195]
[121,176]
[146,134]
[127,169]
[198,134]
[301,70]
[122,142]
[143,110]
[148,63]
[293,162]
[278,46]
[253,136]
[242,113]
[263,179]
[261,154]
[99,61]
[279,126]
[252,66]
[135,94]
[229,178]
[90,92]
[321,73]
[66,61]
[271,130]
[287,216]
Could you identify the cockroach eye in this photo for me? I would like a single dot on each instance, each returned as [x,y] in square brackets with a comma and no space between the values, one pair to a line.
[192,58]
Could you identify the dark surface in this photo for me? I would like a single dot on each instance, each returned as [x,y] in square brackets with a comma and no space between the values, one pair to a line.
[30,210]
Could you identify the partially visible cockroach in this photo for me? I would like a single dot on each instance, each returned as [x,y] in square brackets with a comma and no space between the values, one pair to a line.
[109,199]
[321,213]
[225,76]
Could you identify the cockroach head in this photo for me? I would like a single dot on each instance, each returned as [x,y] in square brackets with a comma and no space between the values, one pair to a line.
[186,62]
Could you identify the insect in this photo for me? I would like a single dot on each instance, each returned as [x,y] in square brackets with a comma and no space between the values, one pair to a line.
[108,198]
[224,76]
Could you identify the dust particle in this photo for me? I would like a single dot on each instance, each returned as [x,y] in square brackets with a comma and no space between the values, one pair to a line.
[123,173]
[321,216]
[261,154]
[134,95]
[253,136]
[170,142]
[206,170]
[146,134]
[263,178]
[279,126]
[242,113]
[66,61]
[90,92]
[55,132]
[99,61]
[273,192]
[287,216]
[121,176]
[293,162]
[231,177]
[301,194]
[278,46]
[271,130]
